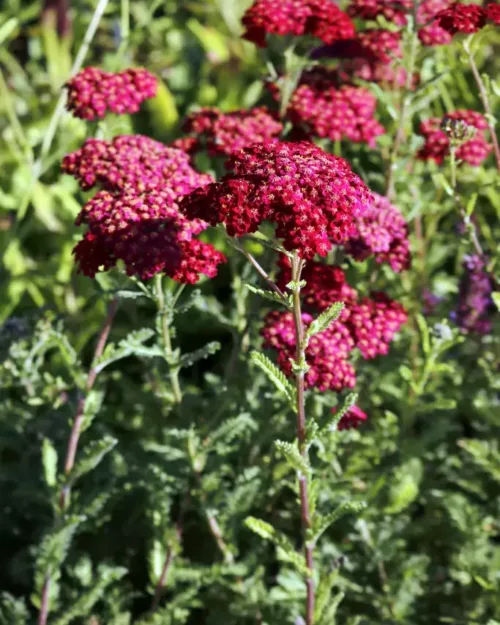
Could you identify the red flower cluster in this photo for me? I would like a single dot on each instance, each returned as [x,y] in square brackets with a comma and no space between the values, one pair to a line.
[383,45]
[135,219]
[319,18]
[325,284]
[224,133]
[369,324]
[431,32]
[352,419]
[326,353]
[93,92]
[393,11]
[133,162]
[374,322]
[437,142]
[312,197]
[493,13]
[383,232]
[461,18]
[321,107]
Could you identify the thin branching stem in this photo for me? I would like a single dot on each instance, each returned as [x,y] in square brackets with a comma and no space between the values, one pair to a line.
[74,439]
[403,114]
[259,269]
[167,342]
[297,265]
[483,94]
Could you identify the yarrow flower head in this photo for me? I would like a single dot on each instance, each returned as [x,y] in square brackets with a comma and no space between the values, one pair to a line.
[224,133]
[430,32]
[93,92]
[382,232]
[135,218]
[493,13]
[352,419]
[461,18]
[475,307]
[133,162]
[374,321]
[438,138]
[326,354]
[312,197]
[323,108]
[319,18]
[325,284]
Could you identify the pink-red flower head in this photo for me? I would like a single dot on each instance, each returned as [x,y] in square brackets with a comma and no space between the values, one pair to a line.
[374,322]
[437,143]
[326,354]
[147,233]
[382,232]
[352,419]
[312,197]
[134,163]
[322,108]
[224,133]
[93,92]
[319,18]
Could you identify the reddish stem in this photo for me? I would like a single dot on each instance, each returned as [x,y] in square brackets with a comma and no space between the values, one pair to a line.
[297,265]
[73,441]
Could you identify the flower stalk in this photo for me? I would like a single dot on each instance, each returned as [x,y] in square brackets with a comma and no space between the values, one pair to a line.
[167,342]
[300,369]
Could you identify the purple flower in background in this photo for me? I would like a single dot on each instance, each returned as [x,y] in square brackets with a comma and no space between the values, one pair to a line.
[475,305]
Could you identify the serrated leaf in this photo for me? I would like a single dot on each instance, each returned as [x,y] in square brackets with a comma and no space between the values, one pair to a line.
[275,375]
[324,593]
[132,344]
[93,403]
[269,295]
[188,360]
[92,455]
[328,316]
[49,461]
[330,612]
[334,418]
[82,607]
[286,551]
[293,457]
[323,522]
[52,551]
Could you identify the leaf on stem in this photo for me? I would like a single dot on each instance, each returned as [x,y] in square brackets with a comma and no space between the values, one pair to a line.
[323,522]
[49,461]
[293,457]
[334,418]
[93,453]
[272,296]
[188,360]
[324,320]
[274,374]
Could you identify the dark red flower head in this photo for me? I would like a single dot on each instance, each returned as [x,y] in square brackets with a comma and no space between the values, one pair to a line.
[382,232]
[93,92]
[312,197]
[319,18]
[326,354]
[461,18]
[437,142]
[224,133]
[475,305]
[133,163]
[393,10]
[324,109]
[493,12]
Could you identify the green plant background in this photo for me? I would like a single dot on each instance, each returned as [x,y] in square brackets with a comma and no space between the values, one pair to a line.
[426,548]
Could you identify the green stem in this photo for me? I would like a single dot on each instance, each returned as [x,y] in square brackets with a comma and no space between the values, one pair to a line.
[483,94]
[167,342]
[297,265]
[403,114]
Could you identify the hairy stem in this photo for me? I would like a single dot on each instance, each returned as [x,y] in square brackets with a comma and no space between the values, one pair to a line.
[469,225]
[403,114]
[167,343]
[74,439]
[483,94]
[297,265]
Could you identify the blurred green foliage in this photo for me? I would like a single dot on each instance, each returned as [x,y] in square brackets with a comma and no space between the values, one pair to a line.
[426,549]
